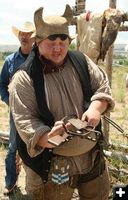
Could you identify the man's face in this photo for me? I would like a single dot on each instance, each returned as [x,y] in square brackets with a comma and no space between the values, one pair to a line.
[25,38]
[54,50]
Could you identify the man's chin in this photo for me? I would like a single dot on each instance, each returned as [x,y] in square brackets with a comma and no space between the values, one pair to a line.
[57,60]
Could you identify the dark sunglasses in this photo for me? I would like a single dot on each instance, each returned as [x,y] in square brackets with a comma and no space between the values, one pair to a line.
[55,36]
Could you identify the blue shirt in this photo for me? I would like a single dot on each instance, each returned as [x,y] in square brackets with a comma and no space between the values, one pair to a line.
[12,62]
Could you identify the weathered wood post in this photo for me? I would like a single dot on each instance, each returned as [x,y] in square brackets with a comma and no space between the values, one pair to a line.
[109,56]
[78,9]
[109,60]
[80,6]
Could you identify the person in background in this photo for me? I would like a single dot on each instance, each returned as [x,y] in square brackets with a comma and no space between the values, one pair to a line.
[12,62]
[43,93]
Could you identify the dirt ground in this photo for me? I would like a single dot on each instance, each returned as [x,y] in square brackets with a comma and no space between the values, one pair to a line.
[4,126]
[18,195]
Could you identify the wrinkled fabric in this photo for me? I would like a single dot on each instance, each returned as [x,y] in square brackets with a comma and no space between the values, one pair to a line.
[10,160]
[12,62]
[24,105]
[89,34]
[98,31]
[61,99]
[64,96]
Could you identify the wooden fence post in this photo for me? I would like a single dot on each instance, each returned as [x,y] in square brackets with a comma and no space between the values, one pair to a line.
[109,60]
[80,6]
[109,56]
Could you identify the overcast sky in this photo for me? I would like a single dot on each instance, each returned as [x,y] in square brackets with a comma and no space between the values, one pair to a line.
[15,12]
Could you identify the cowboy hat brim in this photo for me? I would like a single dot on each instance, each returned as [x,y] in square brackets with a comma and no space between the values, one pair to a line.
[28,27]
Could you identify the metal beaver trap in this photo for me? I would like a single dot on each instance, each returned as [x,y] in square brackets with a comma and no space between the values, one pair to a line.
[79,129]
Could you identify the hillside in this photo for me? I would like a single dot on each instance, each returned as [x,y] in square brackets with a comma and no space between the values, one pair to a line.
[8,48]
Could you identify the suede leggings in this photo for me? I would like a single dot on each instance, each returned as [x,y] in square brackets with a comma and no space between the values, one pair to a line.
[97,189]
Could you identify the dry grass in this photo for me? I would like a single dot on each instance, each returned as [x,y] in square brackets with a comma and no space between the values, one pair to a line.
[4,113]
[120,112]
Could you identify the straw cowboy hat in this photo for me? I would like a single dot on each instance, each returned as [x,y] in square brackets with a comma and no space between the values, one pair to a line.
[27,27]
[53,24]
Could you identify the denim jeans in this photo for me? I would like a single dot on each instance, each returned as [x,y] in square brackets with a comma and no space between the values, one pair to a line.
[10,160]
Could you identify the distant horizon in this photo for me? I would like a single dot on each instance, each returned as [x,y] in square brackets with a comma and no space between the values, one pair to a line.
[9,44]
[122,38]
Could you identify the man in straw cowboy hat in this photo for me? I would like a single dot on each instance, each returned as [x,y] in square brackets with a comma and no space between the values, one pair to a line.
[12,62]
[57,139]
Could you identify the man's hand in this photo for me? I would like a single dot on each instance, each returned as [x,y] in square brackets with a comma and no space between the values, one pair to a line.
[92,117]
[57,129]
[93,114]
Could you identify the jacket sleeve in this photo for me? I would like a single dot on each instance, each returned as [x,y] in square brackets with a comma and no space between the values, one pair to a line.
[4,82]
[25,112]
[100,84]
